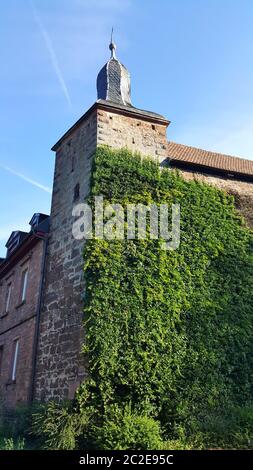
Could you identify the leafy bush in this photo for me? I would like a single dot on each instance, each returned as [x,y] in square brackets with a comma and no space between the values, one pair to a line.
[126,429]
[18,421]
[232,428]
[58,425]
[16,426]
[10,444]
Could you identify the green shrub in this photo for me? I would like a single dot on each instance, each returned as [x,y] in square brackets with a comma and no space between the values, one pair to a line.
[58,425]
[18,421]
[123,429]
[16,425]
[231,428]
[10,444]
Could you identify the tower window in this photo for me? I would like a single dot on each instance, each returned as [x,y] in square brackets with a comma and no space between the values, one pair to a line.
[15,360]
[73,163]
[24,280]
[76,192]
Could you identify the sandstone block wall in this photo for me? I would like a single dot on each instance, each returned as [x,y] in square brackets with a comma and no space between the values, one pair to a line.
[136,134]
[59,365]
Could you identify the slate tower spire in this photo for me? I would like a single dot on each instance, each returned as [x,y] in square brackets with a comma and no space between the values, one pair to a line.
[113,80]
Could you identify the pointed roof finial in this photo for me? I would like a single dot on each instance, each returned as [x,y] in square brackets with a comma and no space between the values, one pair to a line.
[113,80]
[112,46]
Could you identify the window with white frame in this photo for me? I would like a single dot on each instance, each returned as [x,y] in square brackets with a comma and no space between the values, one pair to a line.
[15,360]
[24,285]
[8,298]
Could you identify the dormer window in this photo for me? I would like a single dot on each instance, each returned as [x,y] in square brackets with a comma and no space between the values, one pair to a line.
[14,241]
[36,220]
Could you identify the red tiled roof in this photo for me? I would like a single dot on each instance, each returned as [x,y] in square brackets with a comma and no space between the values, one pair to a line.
[218,161]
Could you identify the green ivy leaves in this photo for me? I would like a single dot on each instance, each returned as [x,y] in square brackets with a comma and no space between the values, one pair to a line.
[171,328]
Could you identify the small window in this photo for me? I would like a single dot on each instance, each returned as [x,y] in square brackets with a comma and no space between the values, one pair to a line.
[1,358]
[8,298]
[73,163]
[15,360]
[76,192]
[24,285]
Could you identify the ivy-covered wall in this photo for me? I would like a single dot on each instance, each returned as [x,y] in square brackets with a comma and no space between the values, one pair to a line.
[168,334]
[168,331]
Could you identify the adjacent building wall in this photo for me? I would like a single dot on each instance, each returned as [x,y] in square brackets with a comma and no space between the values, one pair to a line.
[19,323]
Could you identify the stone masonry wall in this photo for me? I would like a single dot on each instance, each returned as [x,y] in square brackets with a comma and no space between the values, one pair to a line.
[136,134]
[59,365]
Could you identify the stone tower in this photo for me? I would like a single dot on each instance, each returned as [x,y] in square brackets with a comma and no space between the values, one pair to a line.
[112,120]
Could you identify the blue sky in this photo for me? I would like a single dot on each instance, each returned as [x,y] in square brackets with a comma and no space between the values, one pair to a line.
[190,60]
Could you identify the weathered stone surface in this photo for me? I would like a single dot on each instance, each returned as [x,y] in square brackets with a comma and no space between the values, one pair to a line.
[61,330]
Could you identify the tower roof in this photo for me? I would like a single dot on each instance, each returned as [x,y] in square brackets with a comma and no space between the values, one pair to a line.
[113,80]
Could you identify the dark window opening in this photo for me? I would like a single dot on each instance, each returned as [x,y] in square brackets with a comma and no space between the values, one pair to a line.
[76,192]
[72,163]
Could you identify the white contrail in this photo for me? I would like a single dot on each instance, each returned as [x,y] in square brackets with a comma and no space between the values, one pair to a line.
[25,178]
[52,54]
